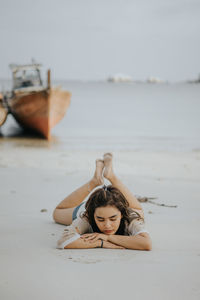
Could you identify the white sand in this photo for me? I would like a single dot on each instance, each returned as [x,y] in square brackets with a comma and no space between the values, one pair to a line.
[32,268]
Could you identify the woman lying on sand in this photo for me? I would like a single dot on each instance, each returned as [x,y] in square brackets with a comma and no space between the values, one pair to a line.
[112,217]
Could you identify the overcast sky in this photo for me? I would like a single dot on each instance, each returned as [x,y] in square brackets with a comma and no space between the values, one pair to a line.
[93,39]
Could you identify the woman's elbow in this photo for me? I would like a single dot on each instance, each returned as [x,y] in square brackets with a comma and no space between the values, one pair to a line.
[147,244]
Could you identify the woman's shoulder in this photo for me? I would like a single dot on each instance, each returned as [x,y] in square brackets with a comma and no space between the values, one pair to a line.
[134,215]
[136,223]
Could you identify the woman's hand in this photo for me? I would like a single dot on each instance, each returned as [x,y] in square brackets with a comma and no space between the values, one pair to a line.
[92,237]
[109,245]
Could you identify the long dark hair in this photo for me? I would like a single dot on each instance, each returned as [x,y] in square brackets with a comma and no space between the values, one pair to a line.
[103,197]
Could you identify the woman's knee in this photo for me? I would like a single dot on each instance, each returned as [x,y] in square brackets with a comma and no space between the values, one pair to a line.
[63,216]
[55,215]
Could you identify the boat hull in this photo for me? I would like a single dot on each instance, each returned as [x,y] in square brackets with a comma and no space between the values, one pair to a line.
[40,111]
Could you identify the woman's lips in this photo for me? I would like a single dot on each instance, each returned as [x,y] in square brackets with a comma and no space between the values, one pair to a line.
[108,231]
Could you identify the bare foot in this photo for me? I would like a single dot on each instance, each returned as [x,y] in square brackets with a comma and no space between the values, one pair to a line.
[108,170]
[98,175]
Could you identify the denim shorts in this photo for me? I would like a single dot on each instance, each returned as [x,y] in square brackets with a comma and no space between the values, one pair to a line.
[75,211]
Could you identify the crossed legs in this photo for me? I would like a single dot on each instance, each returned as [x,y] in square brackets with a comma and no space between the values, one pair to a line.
[104,168]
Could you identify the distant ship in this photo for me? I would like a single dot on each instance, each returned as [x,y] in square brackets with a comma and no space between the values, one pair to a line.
[33,105]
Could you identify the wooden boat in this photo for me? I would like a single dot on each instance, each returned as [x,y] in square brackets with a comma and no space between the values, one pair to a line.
[3,111]
[34,106]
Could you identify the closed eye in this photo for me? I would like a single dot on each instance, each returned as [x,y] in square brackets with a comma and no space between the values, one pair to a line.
[112,218]
[102,220]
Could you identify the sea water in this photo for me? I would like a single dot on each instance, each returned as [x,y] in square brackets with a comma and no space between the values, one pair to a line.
[128,116]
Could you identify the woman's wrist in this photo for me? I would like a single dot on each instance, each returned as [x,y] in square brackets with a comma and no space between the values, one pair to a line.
[99,243]
[109,237]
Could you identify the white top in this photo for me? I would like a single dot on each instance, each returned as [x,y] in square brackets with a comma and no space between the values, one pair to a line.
[80,226]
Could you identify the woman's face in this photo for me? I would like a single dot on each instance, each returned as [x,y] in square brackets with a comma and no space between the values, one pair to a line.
[108,219]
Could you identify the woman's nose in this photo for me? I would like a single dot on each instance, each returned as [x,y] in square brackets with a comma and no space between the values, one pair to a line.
[107,224]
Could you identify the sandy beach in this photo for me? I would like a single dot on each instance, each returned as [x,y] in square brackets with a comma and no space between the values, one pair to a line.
[31,267]
[35,175]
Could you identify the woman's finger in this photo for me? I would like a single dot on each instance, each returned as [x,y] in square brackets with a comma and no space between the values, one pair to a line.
[94,239]
[85,236]
[89,237]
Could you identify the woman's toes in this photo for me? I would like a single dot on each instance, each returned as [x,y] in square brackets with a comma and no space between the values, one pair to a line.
[107,156]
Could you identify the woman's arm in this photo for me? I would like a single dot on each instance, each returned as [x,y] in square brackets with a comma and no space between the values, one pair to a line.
[81,244]
[84,244]
[140,241]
